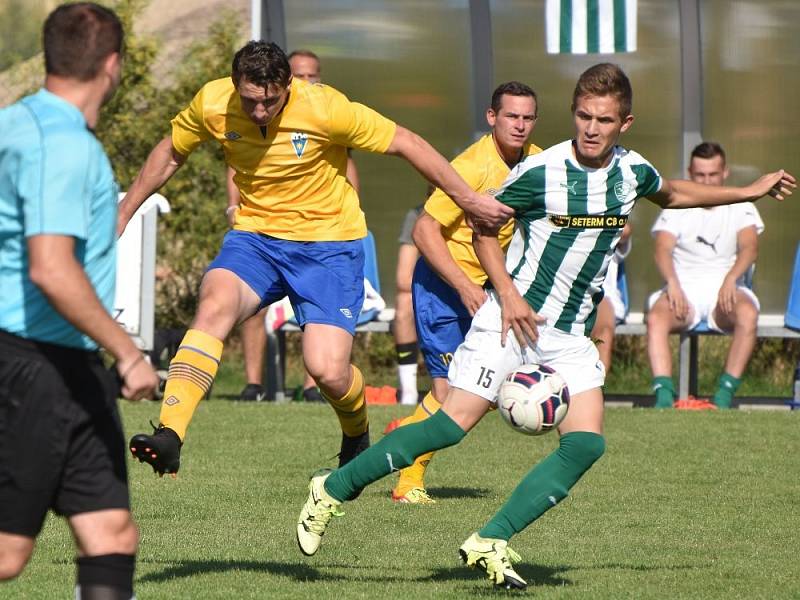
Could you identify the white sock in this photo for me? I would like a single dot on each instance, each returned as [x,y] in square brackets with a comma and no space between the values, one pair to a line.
[407,375]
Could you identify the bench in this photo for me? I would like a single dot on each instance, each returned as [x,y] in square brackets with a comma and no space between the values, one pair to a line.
[769,326]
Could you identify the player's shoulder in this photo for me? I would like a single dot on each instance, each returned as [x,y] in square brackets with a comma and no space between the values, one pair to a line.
[218,88]
[315,92]
[629,157]
[553,155]
[48,121]
[529,149]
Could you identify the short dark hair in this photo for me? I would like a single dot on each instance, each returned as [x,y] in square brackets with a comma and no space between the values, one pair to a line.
[78,37]
[303,52]
[605,79]
[708,150]
[512,88]
[262,63]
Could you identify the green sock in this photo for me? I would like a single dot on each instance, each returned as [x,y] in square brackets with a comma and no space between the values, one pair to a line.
[546,484]
[727,386]
[392,453]
[664,391]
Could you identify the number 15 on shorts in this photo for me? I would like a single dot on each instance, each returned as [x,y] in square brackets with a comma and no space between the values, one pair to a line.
[485,378]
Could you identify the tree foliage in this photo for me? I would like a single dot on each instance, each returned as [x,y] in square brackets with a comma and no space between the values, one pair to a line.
[136,120]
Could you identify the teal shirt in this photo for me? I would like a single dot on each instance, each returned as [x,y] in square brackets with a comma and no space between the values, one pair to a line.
[55,179]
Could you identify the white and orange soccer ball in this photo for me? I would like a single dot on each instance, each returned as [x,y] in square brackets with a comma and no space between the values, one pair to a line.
[533,399]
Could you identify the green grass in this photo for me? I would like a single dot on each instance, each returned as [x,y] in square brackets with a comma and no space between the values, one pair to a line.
[683,505]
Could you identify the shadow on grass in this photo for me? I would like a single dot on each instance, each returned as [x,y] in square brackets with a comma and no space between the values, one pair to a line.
[189,568]
[535,575]
[441,493]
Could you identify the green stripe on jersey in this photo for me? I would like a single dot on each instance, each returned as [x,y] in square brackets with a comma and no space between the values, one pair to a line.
[521,194]
[587,273]
[646,180]
[556,248]
[577,189]
[614,183]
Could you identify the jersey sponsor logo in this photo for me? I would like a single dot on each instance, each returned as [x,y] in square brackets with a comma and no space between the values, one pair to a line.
[232,135]
[346,312]
[622,189]
[299,141]
[589,221]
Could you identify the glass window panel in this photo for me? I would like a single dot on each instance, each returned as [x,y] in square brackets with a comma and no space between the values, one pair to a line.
[751,82]
[410,61]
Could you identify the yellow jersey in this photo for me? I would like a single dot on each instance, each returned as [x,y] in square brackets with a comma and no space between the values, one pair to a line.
[291,173]
[484,170]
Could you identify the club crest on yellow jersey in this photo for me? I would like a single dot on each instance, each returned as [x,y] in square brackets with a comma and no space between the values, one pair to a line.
[299,141]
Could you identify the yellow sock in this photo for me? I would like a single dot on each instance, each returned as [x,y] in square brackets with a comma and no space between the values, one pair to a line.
[352,407]
[191,373]
[413,476]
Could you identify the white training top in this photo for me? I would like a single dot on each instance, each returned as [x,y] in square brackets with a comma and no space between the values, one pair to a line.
[569,219]
[706,238]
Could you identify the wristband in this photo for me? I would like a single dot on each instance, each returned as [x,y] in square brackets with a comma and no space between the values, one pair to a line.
[230,209]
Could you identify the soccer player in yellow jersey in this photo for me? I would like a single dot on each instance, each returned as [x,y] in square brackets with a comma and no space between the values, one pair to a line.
[296,233]
[305,65]
[447,287]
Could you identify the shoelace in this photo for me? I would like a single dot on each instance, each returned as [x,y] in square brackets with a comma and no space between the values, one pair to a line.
[320,517]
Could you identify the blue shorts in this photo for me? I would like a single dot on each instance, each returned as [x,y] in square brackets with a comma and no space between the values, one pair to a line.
[324,280]
[442,319]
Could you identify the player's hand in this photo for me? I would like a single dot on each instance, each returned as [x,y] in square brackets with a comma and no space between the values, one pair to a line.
[778,185]
[472,296]
[139,380]
[677,301]
[230,214]
[488,214]
[122,222]
[518,316]
[726,299]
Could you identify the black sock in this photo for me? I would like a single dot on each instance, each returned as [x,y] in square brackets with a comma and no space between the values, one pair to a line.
[105,577]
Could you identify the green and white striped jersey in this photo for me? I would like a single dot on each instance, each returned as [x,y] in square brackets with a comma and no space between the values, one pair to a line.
[569,219]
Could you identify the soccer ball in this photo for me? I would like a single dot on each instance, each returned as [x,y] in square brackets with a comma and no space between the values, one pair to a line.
[533,399]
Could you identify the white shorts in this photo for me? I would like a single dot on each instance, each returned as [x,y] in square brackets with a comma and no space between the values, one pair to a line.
[480,364]
[702,298]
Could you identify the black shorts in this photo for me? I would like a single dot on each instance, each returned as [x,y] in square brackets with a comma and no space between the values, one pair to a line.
[62,446]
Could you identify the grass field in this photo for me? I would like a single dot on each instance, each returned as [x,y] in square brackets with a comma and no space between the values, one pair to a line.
[683,505]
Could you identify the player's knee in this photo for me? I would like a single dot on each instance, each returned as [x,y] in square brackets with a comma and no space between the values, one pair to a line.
[746,316]
[12,562]
[583,448]
[657,321]
[128,538]
[331,376]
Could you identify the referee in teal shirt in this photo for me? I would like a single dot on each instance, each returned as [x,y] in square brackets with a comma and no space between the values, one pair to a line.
[61,439]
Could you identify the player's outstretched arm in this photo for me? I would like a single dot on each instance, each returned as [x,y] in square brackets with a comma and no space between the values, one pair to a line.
[681,193]
[160,165]
[62,280]
[435,168]
[517,314]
